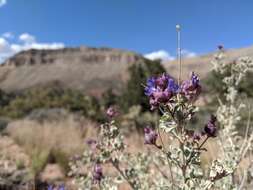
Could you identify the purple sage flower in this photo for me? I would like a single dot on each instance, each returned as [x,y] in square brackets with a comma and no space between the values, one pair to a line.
[196,136]
[210,128]
[160,90]
[151,86]
[154,103]
[191,88]
[150,136]
[111,112]
[220,47]
[172,86]
[97,173]
[162,81]
[51,187]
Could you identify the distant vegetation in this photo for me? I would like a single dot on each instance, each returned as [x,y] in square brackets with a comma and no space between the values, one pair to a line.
[21,104]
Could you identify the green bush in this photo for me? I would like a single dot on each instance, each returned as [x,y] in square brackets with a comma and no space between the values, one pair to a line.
[133,92]
[51,97]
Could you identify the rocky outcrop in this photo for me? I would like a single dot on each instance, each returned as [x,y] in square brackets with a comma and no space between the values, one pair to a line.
[71,55]
[92,70]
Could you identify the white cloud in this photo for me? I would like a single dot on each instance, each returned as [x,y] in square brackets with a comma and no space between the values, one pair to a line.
[2,2]
[166,56]
[160,54]
[27,38]
[8,35]
[188,54]
[4,45]
[25,42]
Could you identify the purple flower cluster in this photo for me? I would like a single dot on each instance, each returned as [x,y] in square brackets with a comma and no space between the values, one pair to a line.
[97,173]
[197,136]
[210,128]
[161,89]
[150,136]
[111,112]
[191,88]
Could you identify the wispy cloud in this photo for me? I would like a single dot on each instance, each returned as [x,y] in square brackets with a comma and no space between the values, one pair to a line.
[160,54]
[166,56]
[23,42]
[188,54]
[27,38]
[8,35]
[3,2]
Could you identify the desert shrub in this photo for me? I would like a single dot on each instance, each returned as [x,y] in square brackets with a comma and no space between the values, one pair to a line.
[52,139]
[235,146]
[214,86]
[176,165]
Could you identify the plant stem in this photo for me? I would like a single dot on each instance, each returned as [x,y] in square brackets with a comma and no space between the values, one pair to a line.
[203,142]
[122,173]
[170,168]
[184,165]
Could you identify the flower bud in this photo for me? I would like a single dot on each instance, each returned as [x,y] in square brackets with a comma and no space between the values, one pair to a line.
[191,88]
[196,136]
[210,128]
[97,173]
[111,112]
[150,136]
[220,47]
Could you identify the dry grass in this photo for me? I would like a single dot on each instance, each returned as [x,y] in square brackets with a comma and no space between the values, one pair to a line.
[65,137]
[53,141]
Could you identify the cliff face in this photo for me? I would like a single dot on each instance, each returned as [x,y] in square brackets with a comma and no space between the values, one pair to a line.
[92,70]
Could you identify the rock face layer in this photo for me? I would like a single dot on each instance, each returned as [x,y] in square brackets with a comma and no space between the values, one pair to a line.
[92,70]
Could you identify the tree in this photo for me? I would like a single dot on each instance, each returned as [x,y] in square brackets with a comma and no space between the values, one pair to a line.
[133,92]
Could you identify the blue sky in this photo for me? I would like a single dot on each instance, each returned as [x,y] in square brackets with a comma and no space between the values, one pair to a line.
[143,26]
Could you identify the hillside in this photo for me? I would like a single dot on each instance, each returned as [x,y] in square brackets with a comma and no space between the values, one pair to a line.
[202,64]
[92,70]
